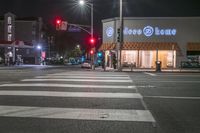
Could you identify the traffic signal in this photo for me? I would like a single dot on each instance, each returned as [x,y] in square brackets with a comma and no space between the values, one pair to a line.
[58,21]
[92,41]
[118,35]
[99,54]
[91,51]
[58,24]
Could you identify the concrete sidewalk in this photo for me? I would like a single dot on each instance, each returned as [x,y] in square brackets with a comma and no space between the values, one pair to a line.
[149,70]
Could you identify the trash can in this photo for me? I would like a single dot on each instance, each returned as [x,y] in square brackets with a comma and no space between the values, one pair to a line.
[158,66]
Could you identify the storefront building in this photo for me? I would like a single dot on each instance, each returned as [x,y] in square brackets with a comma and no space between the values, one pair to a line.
[170,40]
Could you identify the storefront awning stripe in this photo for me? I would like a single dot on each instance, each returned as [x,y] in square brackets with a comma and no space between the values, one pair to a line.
[150,46]
[107,46]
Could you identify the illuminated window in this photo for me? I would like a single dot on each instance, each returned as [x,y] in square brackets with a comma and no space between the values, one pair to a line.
[9,29]
[9,20]
[9,37]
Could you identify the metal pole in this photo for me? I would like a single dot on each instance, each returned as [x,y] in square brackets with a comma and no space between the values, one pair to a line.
[172,57]
[92,32]
[121,36]
[92,35]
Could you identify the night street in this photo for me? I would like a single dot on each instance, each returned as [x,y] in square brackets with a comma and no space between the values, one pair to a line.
[41,99]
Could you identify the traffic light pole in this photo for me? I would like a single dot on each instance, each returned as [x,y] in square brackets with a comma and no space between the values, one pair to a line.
[92,35]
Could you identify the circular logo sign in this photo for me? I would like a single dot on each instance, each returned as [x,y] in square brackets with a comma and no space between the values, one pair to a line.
[148,31]
[109,32]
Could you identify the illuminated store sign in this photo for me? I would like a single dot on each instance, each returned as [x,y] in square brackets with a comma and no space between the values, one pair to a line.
[109,32]
[147,31]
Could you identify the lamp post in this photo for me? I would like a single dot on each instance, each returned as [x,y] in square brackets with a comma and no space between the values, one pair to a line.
[82,2]
[39,47]
[121,36]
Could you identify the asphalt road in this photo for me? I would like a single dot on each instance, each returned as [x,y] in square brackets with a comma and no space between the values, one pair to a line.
[173,99]
[73,100]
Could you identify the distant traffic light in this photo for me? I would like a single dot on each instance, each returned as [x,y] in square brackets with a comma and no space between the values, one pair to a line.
[58,24]
[99,54]
[58,21]
[92,52]
[92,41]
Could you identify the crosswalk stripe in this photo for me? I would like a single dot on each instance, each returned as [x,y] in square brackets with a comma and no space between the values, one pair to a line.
[82,77]
[77,113]
[76,80]
[68,85]
[71,94]
[82,74]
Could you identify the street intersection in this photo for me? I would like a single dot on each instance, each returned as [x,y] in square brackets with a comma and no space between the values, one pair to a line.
[77,100]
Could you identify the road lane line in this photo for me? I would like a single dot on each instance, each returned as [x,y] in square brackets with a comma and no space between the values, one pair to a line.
[79,80]
[68,85]
[71,94]
[81,77]
[173,97]
[151,74]
[77,113]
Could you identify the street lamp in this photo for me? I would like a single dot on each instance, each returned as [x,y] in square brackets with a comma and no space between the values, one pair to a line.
[121,36]
[39,47]
[82,2]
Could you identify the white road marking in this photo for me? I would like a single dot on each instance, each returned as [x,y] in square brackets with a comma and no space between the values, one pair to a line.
[92,74]
[68,85]
[173,97]
[71,94]
[81,77]
[151,74]
[78,80]
[175,81]
[77,113]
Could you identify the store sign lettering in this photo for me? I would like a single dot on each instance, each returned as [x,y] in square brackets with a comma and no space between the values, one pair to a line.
[149,31]
[109,32]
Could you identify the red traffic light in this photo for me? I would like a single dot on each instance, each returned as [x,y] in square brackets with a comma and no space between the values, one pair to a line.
[92,40]
[91,51]
[58,21]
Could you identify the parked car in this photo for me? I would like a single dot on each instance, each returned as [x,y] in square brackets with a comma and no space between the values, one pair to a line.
[86,64]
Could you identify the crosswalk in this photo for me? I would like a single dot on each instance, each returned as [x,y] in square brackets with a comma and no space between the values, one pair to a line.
[76,95]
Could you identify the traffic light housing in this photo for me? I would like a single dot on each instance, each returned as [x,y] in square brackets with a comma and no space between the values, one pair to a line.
[118,35]
[58,24]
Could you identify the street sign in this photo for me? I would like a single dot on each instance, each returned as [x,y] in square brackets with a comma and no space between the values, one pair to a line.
[63,25]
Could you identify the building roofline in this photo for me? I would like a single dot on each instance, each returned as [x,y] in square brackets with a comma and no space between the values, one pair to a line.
[149,18]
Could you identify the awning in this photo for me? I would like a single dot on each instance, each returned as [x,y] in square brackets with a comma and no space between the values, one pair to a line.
[150,46]
[193,46]
[107,46]
[142,46]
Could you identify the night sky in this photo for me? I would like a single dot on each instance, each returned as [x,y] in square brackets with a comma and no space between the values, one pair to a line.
[72,12]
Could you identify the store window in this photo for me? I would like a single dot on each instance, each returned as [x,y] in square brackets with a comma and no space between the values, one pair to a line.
[147,58]
[129,57]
